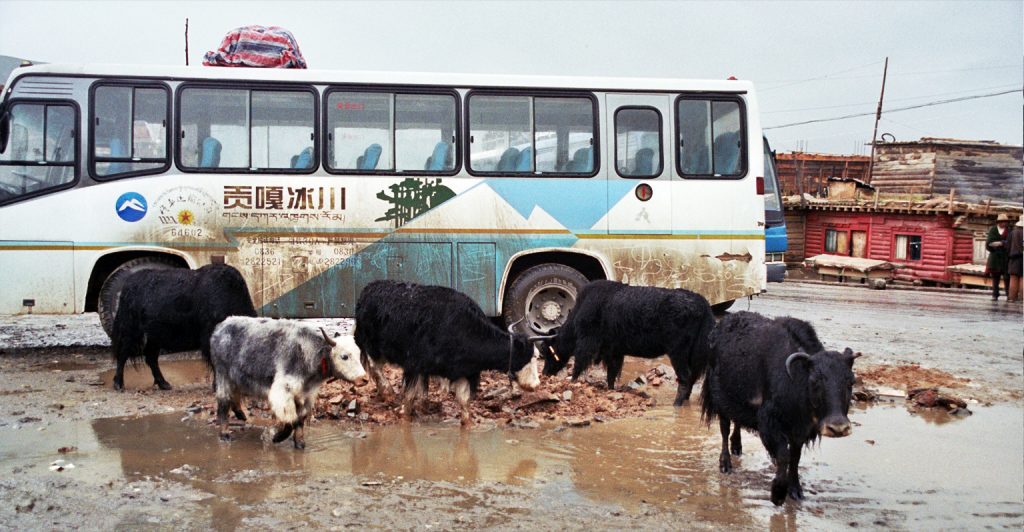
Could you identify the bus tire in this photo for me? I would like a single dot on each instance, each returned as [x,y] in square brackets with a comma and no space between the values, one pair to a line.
[543,295]
[106,304]
[720,308]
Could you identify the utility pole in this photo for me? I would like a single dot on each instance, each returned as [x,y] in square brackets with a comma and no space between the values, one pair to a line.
[878,116]
[186,41]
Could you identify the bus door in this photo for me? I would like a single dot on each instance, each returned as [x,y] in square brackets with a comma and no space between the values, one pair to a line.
[639,182]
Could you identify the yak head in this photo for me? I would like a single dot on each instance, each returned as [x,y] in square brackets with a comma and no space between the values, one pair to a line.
[828,376]
[344,357]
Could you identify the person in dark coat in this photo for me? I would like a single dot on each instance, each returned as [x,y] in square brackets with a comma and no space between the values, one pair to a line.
[995,243]
[1014,245]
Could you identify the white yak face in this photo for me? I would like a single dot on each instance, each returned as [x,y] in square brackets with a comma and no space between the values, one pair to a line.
[527,376]
[345,359]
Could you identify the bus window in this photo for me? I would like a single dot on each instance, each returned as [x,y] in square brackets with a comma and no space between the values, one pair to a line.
[710,138]
[638,142]
[220,128]
[383,131]
[130,135]
[527,135]
[41,149]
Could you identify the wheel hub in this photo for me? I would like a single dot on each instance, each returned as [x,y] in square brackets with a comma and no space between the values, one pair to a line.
[550,310]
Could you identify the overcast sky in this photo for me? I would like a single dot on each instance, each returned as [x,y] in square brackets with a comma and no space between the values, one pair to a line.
[810,60]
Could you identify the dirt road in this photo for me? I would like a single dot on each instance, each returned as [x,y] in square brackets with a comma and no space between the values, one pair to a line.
[148,458]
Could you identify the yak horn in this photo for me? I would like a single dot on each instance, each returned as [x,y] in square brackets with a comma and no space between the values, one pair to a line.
[330,341]
[791,358]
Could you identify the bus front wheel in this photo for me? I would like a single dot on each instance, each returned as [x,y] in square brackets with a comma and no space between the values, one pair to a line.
[106,305]
[542,297]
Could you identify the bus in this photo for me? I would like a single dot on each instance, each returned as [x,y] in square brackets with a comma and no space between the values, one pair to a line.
[775,241]
[515,190]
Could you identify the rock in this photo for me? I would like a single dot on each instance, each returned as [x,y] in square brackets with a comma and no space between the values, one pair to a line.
[185,470]
[656,381]
[337,399]
[364,417]
[524,424]
[616,396]
[28,419]
[666,371]
[25,506]
[371,483]
[567,395]
[61,466]
[67,449]
[577,422]
[353,406]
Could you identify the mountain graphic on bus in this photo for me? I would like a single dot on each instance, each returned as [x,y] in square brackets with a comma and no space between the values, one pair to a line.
[131,206]
[133,203]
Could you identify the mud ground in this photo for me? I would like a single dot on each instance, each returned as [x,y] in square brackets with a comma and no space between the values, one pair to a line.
[590,458]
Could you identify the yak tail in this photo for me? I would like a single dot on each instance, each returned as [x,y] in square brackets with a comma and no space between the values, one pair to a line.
[706,355]
[700,351]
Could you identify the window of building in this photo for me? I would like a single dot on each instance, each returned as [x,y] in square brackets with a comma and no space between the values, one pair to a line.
[247,129]
[837,242]
[638,142]
[711,142]
[129,130]
[907,247]
[40,152]
[531,135]
[391,132]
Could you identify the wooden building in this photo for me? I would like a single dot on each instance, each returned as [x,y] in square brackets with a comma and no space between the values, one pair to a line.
[808,173]
[977,171]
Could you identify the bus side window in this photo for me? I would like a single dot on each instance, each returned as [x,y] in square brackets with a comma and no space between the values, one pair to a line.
[41,151]
[710,137]
[129,130]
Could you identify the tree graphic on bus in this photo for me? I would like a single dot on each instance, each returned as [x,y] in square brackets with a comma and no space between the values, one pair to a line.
[413,197]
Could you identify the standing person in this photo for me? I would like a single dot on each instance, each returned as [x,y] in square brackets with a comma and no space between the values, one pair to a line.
[1014,245]
[995,242]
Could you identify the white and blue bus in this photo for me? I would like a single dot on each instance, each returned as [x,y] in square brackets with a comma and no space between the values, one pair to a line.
[515,190]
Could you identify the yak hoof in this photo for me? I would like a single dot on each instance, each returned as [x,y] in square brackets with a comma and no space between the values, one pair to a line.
[239,415]
[796,492]
[282,433]
[225,436]
[163,385]
[300,444]
[118,385]
[779,491]
[725,464]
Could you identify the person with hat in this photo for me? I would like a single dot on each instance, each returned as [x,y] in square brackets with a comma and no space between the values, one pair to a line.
[1014,244]
[995,243]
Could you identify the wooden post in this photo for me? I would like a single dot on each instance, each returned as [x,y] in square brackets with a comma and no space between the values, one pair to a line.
[951,192]
[186,41]
[878,116]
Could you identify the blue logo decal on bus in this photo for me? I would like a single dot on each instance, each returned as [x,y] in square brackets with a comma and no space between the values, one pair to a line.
[131,206]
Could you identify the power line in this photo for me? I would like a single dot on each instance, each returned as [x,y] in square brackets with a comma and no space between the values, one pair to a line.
[907,108]
[799,81]
[831,77]
[997,87]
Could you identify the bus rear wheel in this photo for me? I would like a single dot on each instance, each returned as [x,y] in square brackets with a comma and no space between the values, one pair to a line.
[542,297]
[106,305]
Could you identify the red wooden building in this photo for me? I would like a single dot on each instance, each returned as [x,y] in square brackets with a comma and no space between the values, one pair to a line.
[925,244]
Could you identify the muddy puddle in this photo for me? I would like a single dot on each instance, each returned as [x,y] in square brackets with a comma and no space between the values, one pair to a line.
[180,373]
[897,470]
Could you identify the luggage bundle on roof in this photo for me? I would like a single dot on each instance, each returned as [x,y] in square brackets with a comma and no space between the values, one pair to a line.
[257,46]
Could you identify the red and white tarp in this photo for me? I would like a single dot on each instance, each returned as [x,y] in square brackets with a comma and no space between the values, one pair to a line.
[257,46]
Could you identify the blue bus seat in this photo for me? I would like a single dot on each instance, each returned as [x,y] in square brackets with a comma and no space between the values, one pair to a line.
[118,150]
[644,162]
[507,163]
[524,163]
[370,157]
[304,160]
[582,161]
[210,156]
[439,159]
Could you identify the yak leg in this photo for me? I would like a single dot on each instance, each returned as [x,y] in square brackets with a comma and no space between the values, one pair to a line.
[225,398]
[384,391]
[283,431]
[415,388]
[795,491]
[282,403]
[679,358]
[724,460]
[463,391]
[299,436]
[119,372]
[586,351]
[613,364]
[152,351]
[222,418]
[236,404]
[735,444]
[778,447]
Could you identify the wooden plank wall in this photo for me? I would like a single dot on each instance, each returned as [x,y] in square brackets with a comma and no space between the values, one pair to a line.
[794,237]
[816,168]
[977,173]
